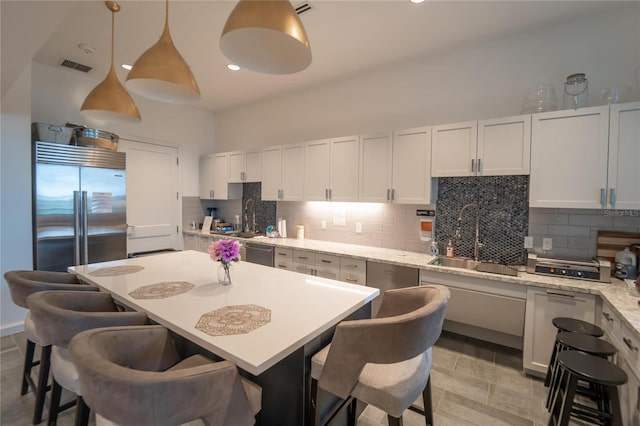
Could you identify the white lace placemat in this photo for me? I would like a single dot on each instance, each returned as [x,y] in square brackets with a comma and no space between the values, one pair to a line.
[112,271]
[236,319]
[161,290]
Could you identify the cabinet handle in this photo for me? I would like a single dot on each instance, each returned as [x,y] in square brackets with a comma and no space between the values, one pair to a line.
[303,257]
[351,280]
[627,342]
[330,194]
[282,254]
[603,197]
[280,193]
[388,194]
[393,194]
[351,266]
[325,261]
[557,293]
[280,265]
[479,165]
[473,165]
[211,193]
[607,317]
[612,197]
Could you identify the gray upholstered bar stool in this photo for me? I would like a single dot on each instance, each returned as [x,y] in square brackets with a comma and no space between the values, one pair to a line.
[385,361]
[60,315]
[21,285]
[134,376]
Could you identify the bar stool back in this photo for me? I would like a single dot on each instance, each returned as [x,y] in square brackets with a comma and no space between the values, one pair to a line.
[59,316]
[23,283]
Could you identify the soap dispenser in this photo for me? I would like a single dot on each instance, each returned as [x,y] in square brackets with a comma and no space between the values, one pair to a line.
[450,249]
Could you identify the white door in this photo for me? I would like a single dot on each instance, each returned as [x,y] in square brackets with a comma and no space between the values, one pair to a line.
[316,170]
[253,165]
[271,173]
[292,172]
[375,168]
[411,166]
[624,156]
[344,168]
[453,149]
[220,176]
[236,167]
[504,146]
[152,196]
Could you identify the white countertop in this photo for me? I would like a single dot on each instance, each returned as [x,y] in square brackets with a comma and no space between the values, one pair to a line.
[302,306]
[622,297]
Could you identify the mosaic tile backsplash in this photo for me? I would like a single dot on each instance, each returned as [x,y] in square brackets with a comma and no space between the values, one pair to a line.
[265,210]
[503,209]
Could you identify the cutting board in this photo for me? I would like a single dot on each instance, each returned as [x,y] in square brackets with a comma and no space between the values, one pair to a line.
[611,242]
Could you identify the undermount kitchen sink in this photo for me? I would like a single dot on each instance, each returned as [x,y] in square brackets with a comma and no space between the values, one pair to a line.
[474,265]
[240,234]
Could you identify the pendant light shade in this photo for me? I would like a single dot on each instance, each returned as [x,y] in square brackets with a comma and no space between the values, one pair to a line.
[109,101]
[162,74]
[266,36]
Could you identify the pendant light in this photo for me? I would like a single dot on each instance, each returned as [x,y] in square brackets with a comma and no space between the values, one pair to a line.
[266,36]
[162,74]
[109,101]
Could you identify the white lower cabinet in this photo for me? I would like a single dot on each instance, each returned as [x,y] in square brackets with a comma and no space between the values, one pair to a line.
[353,271]
[543,305]
[283,258]
[484,309]
[191,242]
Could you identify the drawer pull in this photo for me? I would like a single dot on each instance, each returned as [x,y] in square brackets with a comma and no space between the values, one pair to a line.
[282,266]
[282,254]
[354,266]
[325,261]
[607,316]
[303,257]
[627,342]
[351,280]
[557,293]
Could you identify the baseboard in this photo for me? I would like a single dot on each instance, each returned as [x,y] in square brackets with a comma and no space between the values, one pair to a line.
[484,334]
[16,327]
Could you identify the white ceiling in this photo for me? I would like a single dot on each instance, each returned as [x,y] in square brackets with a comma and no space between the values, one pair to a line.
[347,37]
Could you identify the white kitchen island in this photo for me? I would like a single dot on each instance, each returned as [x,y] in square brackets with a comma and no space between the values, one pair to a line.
[304,310]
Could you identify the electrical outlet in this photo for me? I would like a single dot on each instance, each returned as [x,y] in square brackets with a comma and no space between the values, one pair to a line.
[323,225]
[358,228]
[547,244]
[528,242]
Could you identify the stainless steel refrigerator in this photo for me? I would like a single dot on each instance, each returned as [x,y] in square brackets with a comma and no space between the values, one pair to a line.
[79,205]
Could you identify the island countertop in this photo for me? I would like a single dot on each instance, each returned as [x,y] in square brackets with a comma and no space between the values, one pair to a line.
[301,307]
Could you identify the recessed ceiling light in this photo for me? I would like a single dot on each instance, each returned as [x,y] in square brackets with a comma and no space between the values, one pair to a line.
[416,1]
[233,67]
[127,67]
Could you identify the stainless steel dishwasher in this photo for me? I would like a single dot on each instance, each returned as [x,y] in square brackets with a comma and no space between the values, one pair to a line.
[259,253]
[385,277]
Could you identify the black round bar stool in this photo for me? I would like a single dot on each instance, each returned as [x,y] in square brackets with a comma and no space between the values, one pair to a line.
[579,342]
[602,375]
[574,326]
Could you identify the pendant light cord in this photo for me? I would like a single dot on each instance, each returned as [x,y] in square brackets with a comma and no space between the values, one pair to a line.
[113,26]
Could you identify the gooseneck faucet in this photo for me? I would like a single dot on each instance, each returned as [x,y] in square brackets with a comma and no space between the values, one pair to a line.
[476,244]
[246,217]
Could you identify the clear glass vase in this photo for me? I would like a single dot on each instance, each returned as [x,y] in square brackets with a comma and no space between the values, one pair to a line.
[224,273]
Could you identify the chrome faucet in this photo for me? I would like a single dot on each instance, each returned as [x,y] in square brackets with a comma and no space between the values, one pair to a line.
[477,245]
[246,217]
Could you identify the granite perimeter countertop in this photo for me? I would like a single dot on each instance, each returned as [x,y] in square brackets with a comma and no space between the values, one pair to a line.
[622,296]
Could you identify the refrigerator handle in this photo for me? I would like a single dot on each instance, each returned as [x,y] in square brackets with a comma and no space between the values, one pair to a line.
[76,227]
[85,230]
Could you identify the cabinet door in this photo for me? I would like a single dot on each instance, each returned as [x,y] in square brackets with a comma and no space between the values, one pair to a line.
[504,146]
[411,170]
[539,333]
[375,168]
[271,173]
[253,166]
[292,172]
[569,158]
[206,177]
[220,177]
[624,156]
[453,149]
[235,167]
[317,157]
[344,169]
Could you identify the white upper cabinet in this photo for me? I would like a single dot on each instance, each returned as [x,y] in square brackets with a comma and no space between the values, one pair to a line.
[214,185]
[411,169]
[396,167]
[623,178]
[493,147]
[569,152]
[453,149]
[504,146]
[375,167]
[271,173]
[292,172]
[331,169]
[245,166]
[317,167]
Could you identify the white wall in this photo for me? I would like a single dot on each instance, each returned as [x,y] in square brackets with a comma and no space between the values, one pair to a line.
[482,81]
[15,184]
[57,95]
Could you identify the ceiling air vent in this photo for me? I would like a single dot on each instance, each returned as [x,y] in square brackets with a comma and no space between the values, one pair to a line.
[75,66]
[303,8]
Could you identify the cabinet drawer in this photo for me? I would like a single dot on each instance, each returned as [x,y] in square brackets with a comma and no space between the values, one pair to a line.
[303,268]
[330,273]
[610,322]
[327,261]
[284,264]
[353,277]
[306,257]
[283,254]
[630,346]
[349,264]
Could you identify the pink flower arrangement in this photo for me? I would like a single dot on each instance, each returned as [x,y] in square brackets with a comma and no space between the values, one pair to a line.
[225,251]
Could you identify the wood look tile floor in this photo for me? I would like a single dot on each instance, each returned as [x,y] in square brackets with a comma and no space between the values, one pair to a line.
[473,382]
